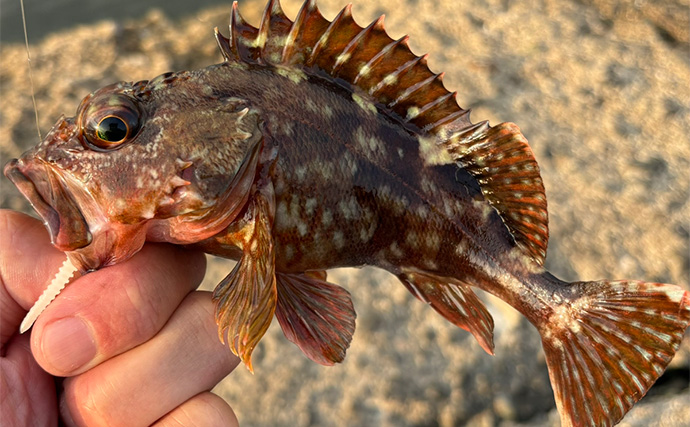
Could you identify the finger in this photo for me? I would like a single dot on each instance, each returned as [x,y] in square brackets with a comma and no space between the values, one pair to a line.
[204,409]
[27,393]
[27,264]
[149,381]
[109,311]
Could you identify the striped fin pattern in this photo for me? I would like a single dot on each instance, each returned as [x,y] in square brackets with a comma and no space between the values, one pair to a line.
[605,350]
[455,301]
[316,315]
[503,164]
[400,84]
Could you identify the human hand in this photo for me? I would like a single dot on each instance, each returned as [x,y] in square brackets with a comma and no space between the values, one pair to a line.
[136,343]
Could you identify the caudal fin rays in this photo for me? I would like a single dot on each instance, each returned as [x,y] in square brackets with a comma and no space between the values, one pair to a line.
[606,349]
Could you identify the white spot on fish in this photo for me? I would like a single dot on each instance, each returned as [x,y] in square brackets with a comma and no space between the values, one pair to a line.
[412,112]
[326,218]
[310,205]
[300,173]
[390,79]
[370,144]
[289,252]
[364,104]
[433,153]
[281,210]
[338,239]
[350,208]
[395,250]
[295,75]
[364,71]
[342,58]
[302,228]
[412,239]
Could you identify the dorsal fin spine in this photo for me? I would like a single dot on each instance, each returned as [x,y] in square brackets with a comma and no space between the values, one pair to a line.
[393,77]
[240,43]
[430,106]
[308,22]
[265,25]
[376,59]
[345,14]
[355,43]
[223,44]
[461,118]
[414,88]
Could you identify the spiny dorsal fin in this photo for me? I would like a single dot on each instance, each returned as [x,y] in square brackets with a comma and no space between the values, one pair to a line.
[368,58]
[402,84]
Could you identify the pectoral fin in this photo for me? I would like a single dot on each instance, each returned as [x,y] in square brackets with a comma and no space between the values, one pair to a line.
[315,315]
[456,302]
[246,298]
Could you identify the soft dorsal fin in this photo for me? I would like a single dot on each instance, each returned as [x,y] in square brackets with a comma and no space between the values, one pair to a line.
[401,84]
[503,164]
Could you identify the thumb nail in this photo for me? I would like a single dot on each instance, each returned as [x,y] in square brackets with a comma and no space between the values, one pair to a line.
[68,344]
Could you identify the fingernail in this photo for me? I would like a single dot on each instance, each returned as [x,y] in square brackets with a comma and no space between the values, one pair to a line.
[68,344]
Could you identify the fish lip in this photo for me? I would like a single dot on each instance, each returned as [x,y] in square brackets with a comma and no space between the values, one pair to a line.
[52,201]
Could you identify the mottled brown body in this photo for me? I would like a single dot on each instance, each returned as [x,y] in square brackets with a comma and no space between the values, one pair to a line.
[321,144]
[363,194]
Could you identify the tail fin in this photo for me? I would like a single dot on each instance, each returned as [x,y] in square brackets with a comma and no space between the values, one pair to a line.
[607,347]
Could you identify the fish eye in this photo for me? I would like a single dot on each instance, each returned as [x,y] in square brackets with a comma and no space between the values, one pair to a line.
[112,129]
[108,122]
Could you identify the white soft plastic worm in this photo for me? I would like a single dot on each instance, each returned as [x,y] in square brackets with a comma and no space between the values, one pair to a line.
[58,283]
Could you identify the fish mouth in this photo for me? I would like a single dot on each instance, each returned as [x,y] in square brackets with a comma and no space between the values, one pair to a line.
[48,195]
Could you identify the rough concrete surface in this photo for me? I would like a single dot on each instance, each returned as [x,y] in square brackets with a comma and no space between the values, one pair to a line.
[601,90]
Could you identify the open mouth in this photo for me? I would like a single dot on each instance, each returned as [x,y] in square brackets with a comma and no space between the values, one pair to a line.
[51,200]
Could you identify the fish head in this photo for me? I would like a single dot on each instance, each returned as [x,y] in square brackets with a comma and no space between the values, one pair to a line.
[139,161]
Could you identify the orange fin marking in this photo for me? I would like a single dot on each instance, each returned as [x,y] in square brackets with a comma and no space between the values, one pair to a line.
[503,164]
[456,302]
[315,315]
[246,298]
[605,349]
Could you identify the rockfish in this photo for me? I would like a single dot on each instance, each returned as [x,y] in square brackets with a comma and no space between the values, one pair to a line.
[319,144]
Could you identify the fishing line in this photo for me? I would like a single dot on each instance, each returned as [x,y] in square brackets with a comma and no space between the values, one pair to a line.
[31,74]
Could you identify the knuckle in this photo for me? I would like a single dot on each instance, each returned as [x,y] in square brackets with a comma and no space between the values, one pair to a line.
[87,403]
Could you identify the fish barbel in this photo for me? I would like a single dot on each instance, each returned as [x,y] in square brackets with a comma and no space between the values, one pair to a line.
[319,144]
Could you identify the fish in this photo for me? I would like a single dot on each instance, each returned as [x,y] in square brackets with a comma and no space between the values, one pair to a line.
[318,144]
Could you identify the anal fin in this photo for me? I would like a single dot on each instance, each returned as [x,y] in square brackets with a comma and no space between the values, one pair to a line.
[316,315]
[455,301]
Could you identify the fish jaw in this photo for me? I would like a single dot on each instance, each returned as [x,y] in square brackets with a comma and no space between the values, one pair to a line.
[74,220]
[61,215]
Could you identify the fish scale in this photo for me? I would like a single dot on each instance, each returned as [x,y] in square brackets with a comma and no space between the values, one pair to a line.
[318,144]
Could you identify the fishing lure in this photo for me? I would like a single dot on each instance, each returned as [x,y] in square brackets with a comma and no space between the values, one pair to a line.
[319,144]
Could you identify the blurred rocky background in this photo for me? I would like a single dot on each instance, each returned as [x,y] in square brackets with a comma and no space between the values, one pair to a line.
[600,88]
